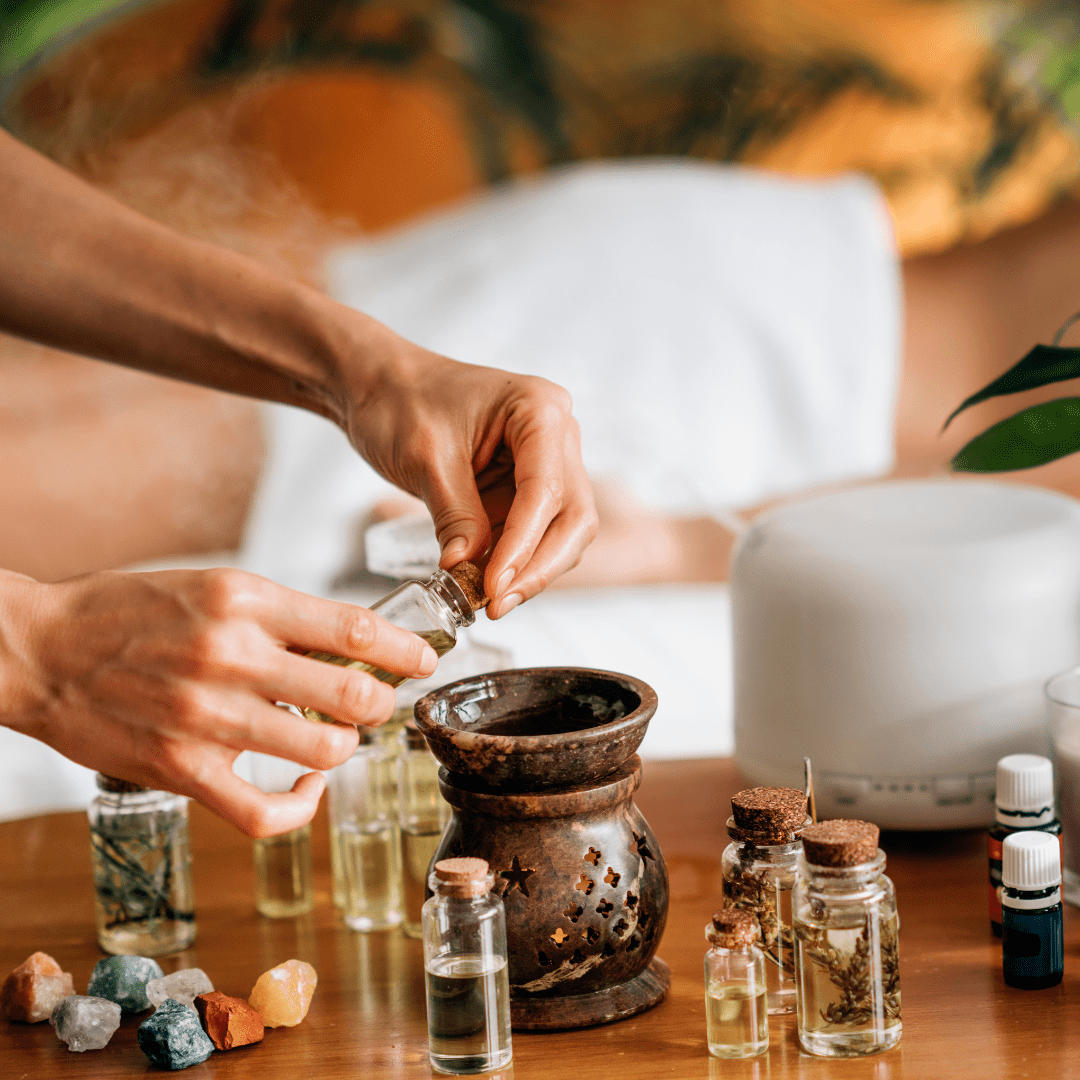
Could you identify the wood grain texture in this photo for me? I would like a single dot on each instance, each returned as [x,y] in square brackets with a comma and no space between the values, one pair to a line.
[367,1018]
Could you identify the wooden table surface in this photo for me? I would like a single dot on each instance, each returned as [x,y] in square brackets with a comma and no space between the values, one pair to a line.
[367,1018]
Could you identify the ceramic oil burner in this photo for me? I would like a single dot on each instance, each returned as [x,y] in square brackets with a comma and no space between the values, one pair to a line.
[540,769]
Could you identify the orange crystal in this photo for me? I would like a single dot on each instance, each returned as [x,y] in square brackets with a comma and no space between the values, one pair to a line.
[283,994]
[228,1021]
[34,989]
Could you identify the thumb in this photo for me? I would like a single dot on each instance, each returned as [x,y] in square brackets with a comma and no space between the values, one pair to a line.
[461,523]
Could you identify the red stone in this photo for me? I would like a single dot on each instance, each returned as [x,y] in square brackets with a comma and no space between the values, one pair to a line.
[229,1021]
[34,989]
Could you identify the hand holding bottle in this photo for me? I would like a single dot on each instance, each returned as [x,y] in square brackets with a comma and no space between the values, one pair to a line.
[164,678]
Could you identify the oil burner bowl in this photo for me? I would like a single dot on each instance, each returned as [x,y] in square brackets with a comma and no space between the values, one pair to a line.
[531,729]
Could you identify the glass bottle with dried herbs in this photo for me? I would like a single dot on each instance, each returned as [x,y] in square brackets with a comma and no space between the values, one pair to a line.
[759,870]
[736,1012]
[847,956]
[142,869]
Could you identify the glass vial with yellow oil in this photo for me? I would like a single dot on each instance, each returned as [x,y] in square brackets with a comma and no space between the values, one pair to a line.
[736,1007]
[364,827]
[145,902]
[434,610]
[422,816]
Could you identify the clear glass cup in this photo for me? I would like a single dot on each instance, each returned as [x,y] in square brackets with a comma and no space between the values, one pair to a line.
[1063,698]
[364,828]
[847,959]
[284,878]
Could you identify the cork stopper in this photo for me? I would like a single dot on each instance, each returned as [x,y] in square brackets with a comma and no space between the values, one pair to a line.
[462,877]
[117,787]
[732,928]
[470,579]
[840,843]
[768,814]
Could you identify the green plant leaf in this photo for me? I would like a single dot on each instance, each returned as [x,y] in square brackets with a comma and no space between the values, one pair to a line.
[1045,364]
[1033,437]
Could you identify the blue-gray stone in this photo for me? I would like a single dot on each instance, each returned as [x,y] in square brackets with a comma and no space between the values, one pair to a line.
[173,1038]
[123,979]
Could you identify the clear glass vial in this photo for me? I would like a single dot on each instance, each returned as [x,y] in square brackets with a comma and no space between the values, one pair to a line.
[759,869]
[284,879]
[434,610]
[422,817]
[465,969]
[1033,932]
[736,1011]
[847,961]
[364,828]
[142,870]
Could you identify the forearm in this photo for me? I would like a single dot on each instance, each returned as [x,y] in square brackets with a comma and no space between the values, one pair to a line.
[81,272]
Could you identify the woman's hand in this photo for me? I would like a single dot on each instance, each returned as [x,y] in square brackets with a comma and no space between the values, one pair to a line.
[495,456]
[163,679]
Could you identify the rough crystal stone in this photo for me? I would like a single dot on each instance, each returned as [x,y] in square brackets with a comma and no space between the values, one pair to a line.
[229,1021]
[85,1023]
[34,989]
[123,979]
[283,994]
[172,1038]
[183,986]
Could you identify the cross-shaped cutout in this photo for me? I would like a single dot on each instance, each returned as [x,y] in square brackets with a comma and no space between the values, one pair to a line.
[559,937]
[592,936]
[605,908]
[640,846]
[585,885]
[516,877]
[592,856]
[573,912]
[631,900]
[612,878]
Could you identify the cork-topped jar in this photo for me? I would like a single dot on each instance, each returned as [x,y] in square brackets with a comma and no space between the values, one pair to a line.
[736,1012]
[759,870]
[847,947]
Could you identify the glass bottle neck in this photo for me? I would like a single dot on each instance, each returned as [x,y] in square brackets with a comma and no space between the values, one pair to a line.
[842,879]
[442,586]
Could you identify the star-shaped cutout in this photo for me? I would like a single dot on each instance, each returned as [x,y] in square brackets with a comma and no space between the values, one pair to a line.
[515,877]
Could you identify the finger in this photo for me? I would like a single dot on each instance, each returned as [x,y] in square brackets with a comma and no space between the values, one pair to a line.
[245,724]
[347,694]
[546,490]
[453,500]
[253,811]
[346,630]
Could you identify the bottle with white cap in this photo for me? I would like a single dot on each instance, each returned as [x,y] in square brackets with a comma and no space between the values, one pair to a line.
[1033,934]
[1025,802]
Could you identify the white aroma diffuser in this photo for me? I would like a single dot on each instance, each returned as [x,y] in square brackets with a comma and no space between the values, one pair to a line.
[900,635]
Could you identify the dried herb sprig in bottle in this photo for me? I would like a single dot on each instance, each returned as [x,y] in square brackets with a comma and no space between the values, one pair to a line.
[759,870]
[434,610]
[847,956]
[142,869]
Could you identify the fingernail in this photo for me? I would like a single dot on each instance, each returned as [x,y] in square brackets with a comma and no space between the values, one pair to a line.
[429,661]
[455,550]
[509,603]
[504,582]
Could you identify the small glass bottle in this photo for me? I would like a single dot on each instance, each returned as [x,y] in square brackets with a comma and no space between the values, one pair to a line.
[364,828]
[736,1012]
[142,869]
[1033,934]
[434,610]
[759,869]
[465,968]
[1024,801]
[422,817]
[847,958]
[284,879]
